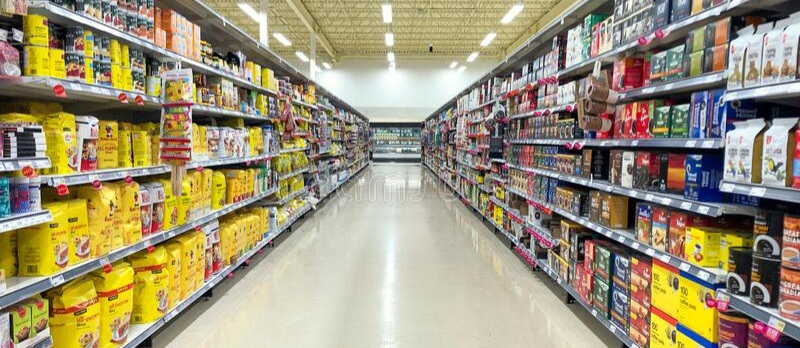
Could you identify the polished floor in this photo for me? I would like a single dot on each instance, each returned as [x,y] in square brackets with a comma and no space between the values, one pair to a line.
[392,261]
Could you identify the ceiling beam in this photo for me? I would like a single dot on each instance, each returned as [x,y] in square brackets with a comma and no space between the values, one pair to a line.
[302,12]
[556,10]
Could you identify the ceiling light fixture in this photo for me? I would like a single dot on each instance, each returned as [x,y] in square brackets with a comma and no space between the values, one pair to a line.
[317,68]
[488,39]
[390,39]
[462,68]
[386,9]
[390,56]
[282,39]
[250,12]
[453,65]
[326,65]
[512,13]
[472,57]
[302,56]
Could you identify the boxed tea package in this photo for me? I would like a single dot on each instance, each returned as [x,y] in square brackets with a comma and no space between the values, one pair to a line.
[659,125]
[660,230]
[736,57]
[696,40]
[680,10]
[644,116]
[773,52]
[615,176]
[715,58]
[620,306]
[674,62]
[755,54]
[679,127]
[658,67]
[703,175]
[699,114]
[777,162]
[644,222]
[676,173]
[601,295]
[661,13]
[697,63]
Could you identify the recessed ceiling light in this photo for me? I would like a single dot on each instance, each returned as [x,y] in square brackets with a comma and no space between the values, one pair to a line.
[512,13]
[386,9]
[453,65]
[282,39]
[302,56]
[472,57]
[326,65]
[390,39]
[390,56]
[462,68]
[250,11]
[488,39]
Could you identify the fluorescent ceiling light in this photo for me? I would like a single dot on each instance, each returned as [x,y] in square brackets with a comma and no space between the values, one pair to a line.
[390,39]
[302,56]
[327,66]
[282,39]
[390,56]
[453,65]
[512,13]
[250,12]
[317,68]
[387,12]
[472,57]
[462,68]
[488,39]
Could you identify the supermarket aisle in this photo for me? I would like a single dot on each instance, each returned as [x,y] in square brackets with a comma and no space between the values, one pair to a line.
[391,262]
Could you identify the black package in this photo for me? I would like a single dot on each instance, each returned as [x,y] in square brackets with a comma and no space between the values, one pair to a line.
[680,9]
[661,13]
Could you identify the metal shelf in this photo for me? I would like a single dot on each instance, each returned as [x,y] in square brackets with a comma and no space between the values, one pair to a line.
[17,221]
[218,111]
[546,111]
[769,316]
[475,167]
[14,164]
[693,83]
[544,237]
[283,151]
[784,194]
[670,200]
[43,88]
[290,197]
[291,174]
[707,144]
[481,106]
[786,90]
[294,218]
[304,104]
[21,288]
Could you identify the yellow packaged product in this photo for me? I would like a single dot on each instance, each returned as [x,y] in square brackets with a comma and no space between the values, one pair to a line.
[200,258]
[125,149]
[8,253]
[702,246]
[227,236]
[116,76]
[59,129]
[174,267]
[101,205]
[115,295]
[218,190]
[141,148]
[57,63]
[79,235]
[185,201]
[130,210]
[44,249]
[151,285]
[108,145]
[88,63]
[205,189]
[693,311]
[75,315]
[664,288]
[188,259]
[170,213]
[35,61]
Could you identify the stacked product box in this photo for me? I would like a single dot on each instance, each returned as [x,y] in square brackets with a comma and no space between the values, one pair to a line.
[590,36]
[664,300]
[632,19]
[641,277]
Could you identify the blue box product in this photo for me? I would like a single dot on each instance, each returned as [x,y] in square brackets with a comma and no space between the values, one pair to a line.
[703,175]
[620,306]
[727,112]
[699,114]
[622,271]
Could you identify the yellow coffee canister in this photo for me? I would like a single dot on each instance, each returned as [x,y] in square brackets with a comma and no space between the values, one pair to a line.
[36,61]
[35,30]
[56,61]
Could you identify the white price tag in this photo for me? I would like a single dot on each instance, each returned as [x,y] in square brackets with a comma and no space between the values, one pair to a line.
[758,191]
[703,275]
[621,239]
[777,324]
[691,143]
[727,187]
[613,329]
[609,188]
[666,201]
[703,209]
[635,143]
[650,252]
[648,197]
[594,312]
[104,261]
[633,193]
[57,280]
[635,245]
[17,35]
[665,258]
[685,267]
[686,205]
[707,144]
[558,280]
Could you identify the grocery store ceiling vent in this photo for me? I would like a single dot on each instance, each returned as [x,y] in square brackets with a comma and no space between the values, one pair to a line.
[351,29]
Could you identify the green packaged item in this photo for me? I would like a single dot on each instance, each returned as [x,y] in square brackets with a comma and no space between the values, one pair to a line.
[675,60]
[696,40]
[679,127]
[590,21]
[661,121]
[658,66]
[696,63]
[601,296]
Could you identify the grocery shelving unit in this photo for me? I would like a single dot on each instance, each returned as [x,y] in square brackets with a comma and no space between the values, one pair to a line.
[524,85]
[315,110]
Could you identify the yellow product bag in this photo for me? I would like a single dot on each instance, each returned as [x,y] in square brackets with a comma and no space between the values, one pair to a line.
[115,295]
[185,201]
[195,210]
[100,206]
[170,213]
[62,143]
[150,285]
[140,141]
[8,253]
[188,267]
[75,315]
[232,186]
[174,267]
[108,145]
[44,249]
[79,236]
[225,240]
[125,149]
[200,258]
[205,188]
[130,211]
[218,191]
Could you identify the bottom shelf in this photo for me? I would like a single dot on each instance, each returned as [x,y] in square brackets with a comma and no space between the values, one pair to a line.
[545,267]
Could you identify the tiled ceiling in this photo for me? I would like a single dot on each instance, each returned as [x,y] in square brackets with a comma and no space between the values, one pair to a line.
[355,29]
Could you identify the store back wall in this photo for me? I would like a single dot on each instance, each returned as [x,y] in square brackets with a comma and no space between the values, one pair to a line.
[408,94]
